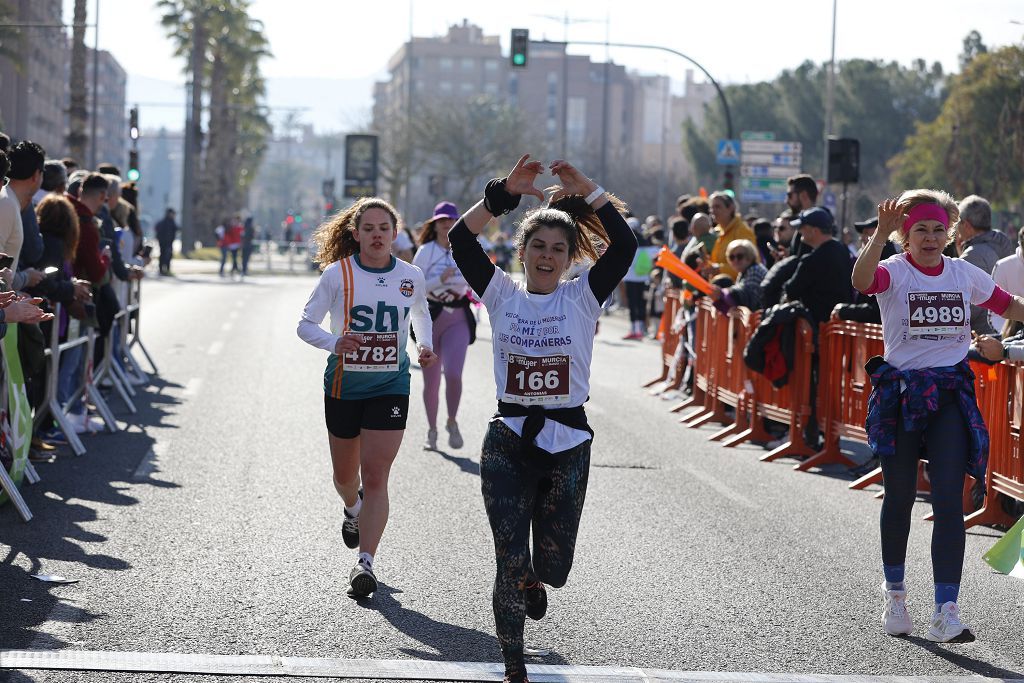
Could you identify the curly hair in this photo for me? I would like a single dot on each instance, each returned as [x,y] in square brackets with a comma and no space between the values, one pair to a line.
[335,238]
[911,198]
[57,217]
[571,213]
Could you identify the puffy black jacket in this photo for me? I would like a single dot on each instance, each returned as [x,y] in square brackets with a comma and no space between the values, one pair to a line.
[772,349]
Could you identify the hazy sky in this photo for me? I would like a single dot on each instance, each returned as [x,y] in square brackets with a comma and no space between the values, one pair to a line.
[737,41]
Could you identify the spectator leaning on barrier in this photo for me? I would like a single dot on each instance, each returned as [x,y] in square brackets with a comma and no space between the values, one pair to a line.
[822,278]
[742,255]
[11,231]
[981,246]
[26,175]
[702,243]
[1009,274]
[729,226]
[864,309]
[923,403]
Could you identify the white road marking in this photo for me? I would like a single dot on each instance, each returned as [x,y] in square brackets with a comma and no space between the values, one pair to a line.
[215,348]
[193,386]
[715,483]
[406,669]
[149,461]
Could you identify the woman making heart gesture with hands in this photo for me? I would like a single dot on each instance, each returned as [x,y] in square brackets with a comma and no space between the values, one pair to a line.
[536,454]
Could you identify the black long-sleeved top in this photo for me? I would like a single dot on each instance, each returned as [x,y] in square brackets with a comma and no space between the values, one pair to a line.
[822,280]
[605,274]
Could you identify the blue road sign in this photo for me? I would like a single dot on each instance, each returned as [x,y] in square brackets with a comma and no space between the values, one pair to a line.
[728,152]
[762,196]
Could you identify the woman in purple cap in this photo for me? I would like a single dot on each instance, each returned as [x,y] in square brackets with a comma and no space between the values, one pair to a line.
[922,405]
[454,322]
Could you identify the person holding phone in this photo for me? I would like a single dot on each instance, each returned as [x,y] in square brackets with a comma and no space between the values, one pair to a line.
[372,297]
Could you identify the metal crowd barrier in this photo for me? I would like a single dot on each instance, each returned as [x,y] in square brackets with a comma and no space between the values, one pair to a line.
[126,332]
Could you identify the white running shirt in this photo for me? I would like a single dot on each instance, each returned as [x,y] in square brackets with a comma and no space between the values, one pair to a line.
[543,345]
[926,319]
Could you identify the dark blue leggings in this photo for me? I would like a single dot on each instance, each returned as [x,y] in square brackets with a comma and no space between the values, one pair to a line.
[945,443]
[521,498]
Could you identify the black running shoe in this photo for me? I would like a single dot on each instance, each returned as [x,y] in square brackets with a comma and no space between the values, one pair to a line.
[536,600]
[350,528]
[362,581]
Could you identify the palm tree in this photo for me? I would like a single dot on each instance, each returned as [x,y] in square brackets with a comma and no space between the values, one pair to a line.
[78,112]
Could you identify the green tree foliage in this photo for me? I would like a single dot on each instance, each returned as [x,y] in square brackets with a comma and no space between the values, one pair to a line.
[977,142]
[222,47]
[972,48]
[876,102]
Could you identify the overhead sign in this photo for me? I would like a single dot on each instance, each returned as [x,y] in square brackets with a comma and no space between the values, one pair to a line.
[757,135]
[360,165]
[771,159]
[762,196]
[728,153]
[771,147]
[774,184]
[768,171]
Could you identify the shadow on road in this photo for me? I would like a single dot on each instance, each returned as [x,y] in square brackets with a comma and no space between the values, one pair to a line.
[445,642]
[57,540]
[467,465]
[971,664]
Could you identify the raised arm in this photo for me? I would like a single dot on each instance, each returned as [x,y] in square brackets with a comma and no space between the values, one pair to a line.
[501,196]
[614,263]
[890,216]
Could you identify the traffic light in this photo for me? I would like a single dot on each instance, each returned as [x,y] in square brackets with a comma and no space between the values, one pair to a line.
[298,218]
[728,183]
[133,165]
[289,219]
[133,123]
[520,47]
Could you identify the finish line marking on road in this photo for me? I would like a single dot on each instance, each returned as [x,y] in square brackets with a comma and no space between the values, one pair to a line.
[408,669]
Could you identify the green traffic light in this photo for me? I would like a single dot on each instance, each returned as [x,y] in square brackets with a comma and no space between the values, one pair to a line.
[519,59]
[133,174]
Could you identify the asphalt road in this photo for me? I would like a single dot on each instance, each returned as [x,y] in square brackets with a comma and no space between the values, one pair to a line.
[210,525]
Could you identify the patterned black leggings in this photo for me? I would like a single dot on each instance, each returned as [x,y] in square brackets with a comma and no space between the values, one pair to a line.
[518,495]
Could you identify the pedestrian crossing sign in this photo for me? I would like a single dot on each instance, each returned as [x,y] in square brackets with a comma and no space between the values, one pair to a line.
[728,152]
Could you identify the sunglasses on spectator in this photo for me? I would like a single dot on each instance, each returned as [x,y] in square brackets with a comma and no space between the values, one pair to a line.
[737,257]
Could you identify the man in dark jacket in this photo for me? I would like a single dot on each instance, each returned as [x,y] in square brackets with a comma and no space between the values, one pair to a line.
[865,306]
[166,231]
[822,278]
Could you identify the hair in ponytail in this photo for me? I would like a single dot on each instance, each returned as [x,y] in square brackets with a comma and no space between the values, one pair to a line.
[335,238]
[571,213]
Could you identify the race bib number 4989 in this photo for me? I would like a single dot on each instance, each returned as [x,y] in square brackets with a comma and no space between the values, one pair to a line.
[533,380]
[936,313]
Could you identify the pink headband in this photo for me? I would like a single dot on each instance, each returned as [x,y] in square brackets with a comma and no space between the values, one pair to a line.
[926,212]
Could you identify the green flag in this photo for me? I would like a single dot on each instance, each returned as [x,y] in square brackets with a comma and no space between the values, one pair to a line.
[18,419]
[1007,555]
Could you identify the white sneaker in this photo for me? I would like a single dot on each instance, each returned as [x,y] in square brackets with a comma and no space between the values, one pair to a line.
[84,424]
[896,620]
[947,628]
[454,436]
[431,443]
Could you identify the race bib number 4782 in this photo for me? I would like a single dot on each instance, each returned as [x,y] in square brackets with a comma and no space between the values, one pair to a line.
[934,313]
[533,380]
[377,353]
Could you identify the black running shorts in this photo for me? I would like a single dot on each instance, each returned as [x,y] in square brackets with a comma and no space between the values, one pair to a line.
[346,418]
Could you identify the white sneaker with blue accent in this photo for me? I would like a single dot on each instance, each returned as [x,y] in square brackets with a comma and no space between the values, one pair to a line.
[896,620]
[946,626]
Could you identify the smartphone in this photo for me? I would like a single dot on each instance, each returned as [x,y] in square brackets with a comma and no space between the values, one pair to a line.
[147,251]
[105,242]
[6,262]
[50,271]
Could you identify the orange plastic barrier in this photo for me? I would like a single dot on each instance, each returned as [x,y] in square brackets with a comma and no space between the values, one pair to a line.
[1001,400]
[843,387]
[669,343]
[711,340]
